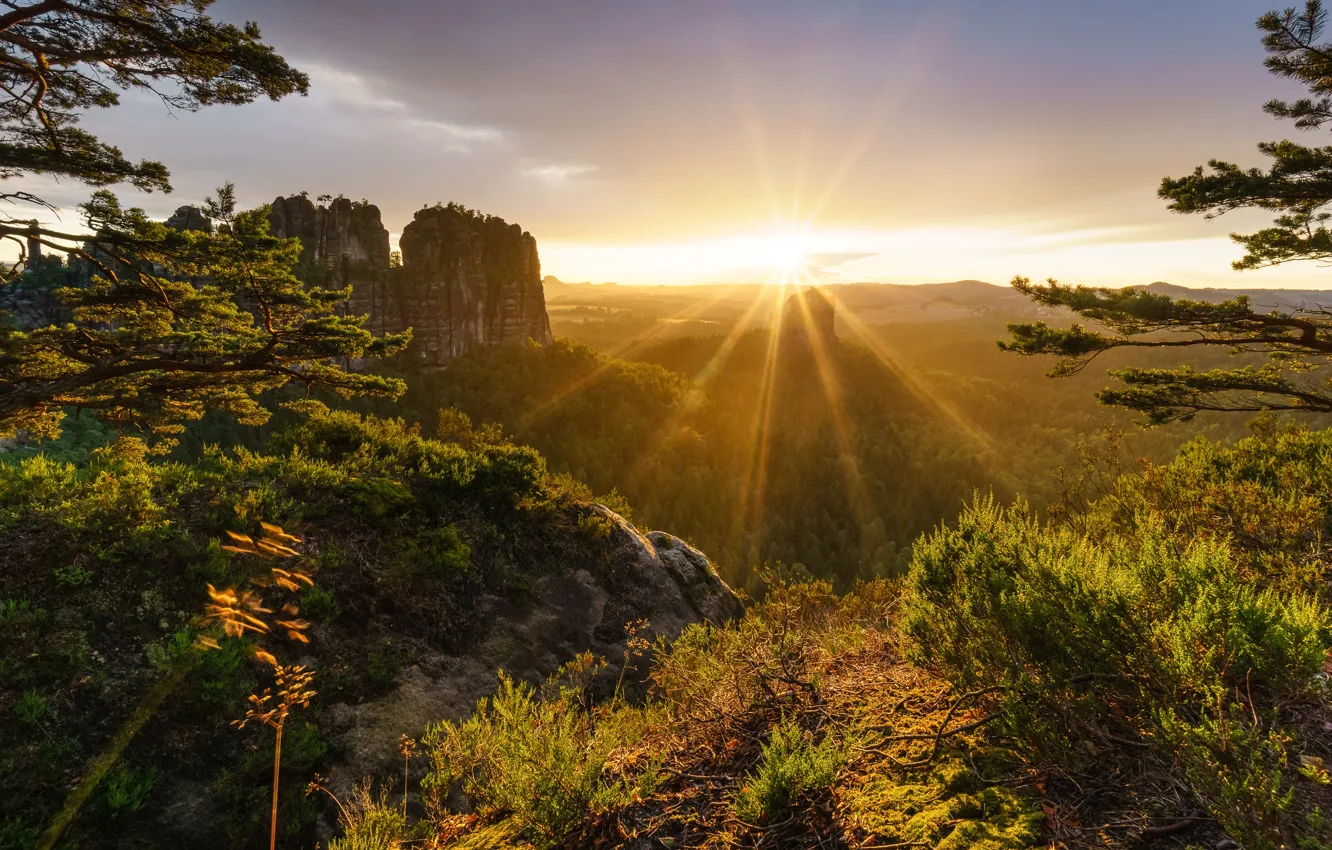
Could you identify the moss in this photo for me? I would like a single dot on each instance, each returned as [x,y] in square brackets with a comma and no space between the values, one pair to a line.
[949,809]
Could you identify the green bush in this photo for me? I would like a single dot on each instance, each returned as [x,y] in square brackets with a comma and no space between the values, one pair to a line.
[370,823]
[541,762]
[319,603]
[31,708]
[443,552]
[791,765]
[17,834]
[1180,640]
[73,575]
[124,790]
[1003,600]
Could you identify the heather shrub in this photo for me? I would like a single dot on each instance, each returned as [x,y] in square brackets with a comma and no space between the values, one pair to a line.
[1003,600]
[791,764]
[1151,623]
[542,762]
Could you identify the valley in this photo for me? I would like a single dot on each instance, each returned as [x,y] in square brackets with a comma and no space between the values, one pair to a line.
[334,524]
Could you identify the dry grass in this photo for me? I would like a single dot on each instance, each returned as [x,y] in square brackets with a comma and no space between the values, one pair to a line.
[923,765]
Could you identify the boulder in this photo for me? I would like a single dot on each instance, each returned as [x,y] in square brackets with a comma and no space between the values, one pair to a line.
[653,577]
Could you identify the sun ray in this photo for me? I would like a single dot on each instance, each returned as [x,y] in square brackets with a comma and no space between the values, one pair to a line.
[925,394]
[586,382]
[849,460]
[749,506]
[700,382]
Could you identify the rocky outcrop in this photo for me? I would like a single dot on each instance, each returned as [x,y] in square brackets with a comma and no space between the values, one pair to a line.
[472,282]
[29,303]
[466,281]
[344,239]
[807,319]
[190,218]
[654,577]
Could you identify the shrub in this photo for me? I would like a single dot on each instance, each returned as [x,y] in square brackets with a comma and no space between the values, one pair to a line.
[1002,600]
[73,575]
[319,603]
[124,790]
[442,552]
[541,762]
[171,651]
[31,708]
[1142,631]
[369,823]
[791,765]
[16,834]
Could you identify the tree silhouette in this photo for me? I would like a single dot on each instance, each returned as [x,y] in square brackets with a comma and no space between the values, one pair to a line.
[1298,187]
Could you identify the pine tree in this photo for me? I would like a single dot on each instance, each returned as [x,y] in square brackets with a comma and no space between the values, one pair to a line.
[1298,188]
[171,323]
[60,58]
[192,321]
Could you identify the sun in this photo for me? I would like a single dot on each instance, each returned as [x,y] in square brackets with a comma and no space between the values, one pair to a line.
[786,252]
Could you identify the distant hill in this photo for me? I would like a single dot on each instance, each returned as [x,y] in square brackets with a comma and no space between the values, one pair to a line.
[1272,299]
[870,303]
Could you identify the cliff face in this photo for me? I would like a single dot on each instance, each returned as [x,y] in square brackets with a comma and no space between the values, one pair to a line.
[335,237]
[467,281]
[471,282]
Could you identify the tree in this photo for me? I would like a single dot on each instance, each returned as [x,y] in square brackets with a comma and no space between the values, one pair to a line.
[171,323]
[60,58]
[194,321]
[1298,187]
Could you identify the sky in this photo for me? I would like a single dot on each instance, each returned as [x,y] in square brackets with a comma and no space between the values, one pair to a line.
[691,141]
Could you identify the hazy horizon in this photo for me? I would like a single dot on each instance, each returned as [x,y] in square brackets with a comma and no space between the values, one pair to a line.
[652,144]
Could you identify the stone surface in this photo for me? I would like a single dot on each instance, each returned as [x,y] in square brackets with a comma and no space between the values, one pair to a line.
[344,239]
[29,307]
[472,282]
[467,281]
[653,577]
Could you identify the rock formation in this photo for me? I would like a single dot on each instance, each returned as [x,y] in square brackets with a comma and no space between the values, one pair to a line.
[466,281]
[807,317]
[189,218]
[655,577]
[476,282]
[344,238]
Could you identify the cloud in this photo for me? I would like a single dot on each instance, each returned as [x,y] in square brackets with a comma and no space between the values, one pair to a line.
[555,175]
[359,93]
[347,88]
[456,131]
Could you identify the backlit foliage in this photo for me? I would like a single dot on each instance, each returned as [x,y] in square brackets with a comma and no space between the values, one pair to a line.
[1297,343]
[1086,683]
[191,321]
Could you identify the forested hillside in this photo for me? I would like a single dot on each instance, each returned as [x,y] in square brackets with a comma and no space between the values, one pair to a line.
[762,456]
[1149,672]
[274,570]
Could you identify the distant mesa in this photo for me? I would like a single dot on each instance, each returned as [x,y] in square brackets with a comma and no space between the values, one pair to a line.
[807,320]
[468,281]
